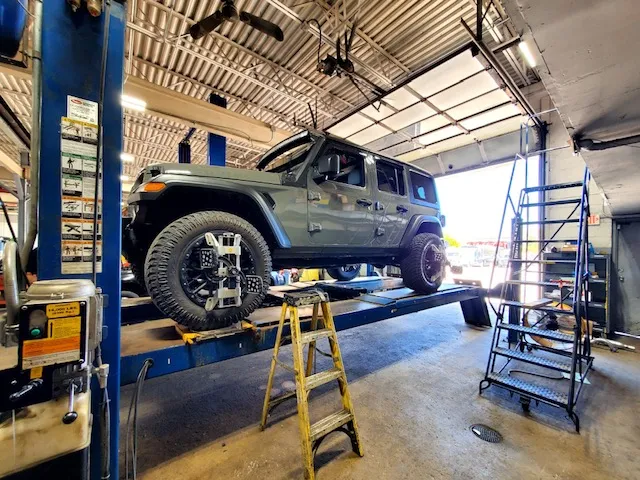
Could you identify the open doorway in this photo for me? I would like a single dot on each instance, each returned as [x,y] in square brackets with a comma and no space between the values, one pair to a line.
[473,203]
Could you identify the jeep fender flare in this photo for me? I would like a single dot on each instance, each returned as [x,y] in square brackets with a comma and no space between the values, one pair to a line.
[420,224]
[172,181]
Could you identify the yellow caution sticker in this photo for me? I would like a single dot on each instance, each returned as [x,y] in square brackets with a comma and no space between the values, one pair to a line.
[59,310]
[64,327]
[35,373]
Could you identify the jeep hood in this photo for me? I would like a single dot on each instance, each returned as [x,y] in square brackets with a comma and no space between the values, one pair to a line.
[218,172]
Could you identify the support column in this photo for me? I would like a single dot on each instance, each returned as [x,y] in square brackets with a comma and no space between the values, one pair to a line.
[72,58]
[217,148]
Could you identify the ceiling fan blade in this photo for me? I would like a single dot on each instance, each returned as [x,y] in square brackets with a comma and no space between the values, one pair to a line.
[206,25]
[262,25]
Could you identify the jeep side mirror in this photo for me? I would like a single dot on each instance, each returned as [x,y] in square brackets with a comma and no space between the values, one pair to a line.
[329,165]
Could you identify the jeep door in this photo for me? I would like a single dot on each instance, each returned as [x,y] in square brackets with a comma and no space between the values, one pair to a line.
[392,205]
[340,205]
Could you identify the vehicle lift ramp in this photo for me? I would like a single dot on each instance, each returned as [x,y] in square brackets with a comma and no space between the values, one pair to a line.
[383,298]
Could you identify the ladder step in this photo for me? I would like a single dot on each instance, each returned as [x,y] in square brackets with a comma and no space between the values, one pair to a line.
[568,201]
[554,221]
[543,262]
[540,307]
[320,378]
[520,386]
[329,424]
[540,284]
[308,337]
[555,186]
[533,359]
[550,334]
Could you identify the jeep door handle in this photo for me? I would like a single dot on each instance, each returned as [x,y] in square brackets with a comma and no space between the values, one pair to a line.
[402,209]
[364,202]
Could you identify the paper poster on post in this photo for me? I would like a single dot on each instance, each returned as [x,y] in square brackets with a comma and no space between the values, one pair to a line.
[83,110]
[79,158]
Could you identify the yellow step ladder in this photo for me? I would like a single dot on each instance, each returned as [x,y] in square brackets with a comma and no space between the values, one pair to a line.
[306,380]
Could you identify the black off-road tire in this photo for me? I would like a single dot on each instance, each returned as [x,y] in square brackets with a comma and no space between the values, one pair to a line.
[344,276]
[416,270]
[163,264]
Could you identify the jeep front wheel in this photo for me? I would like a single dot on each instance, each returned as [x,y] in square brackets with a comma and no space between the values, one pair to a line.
[180,284]
[423,266]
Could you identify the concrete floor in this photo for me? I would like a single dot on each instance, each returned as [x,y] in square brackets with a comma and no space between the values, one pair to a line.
[414,381]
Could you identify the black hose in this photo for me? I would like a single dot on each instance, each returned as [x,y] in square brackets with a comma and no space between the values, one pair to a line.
[105,434]
[132,444]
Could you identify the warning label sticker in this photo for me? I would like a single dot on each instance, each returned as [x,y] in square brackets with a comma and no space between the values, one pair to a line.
[64,327]
[59,310]
[49,351]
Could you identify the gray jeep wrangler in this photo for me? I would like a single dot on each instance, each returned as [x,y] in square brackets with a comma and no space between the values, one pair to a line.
[203,240]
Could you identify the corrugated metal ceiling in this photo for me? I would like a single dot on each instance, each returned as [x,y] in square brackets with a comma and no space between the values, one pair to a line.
[272,81]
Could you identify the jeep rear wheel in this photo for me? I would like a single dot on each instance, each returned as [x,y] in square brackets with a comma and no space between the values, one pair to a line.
[345,273]
[180,286]
[423,267]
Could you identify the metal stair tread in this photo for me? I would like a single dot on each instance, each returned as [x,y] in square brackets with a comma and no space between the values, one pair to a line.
[320,378]
[530,388]
[554,186]
[329,424]
[539,284]
[549,240]
[550,334]
[543,262]
[540,302]
[541,307]
[308,337]
[552,221]
[549,203]
[533,359]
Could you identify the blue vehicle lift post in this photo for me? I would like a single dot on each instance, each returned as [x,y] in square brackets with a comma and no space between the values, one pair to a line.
[72,60]
[217,147]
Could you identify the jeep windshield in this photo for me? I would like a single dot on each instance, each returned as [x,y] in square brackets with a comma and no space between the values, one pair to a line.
[288,154]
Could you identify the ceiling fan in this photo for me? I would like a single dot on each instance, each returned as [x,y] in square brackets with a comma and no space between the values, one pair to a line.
[229,13]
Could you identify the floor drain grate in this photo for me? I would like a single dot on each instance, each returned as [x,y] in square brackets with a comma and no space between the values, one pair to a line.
[485,433]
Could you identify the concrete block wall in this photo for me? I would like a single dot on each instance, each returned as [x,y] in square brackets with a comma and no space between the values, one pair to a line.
[4,227]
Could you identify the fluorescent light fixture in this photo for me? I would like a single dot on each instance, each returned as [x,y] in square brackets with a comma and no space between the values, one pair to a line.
[133,103]
[124,178]
[526,52]
[127,157]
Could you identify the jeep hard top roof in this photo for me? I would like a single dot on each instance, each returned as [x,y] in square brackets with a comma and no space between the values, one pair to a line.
[307,135]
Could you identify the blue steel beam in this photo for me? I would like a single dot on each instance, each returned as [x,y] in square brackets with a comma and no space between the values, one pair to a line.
[71,55]
[217,144]
[372,308]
